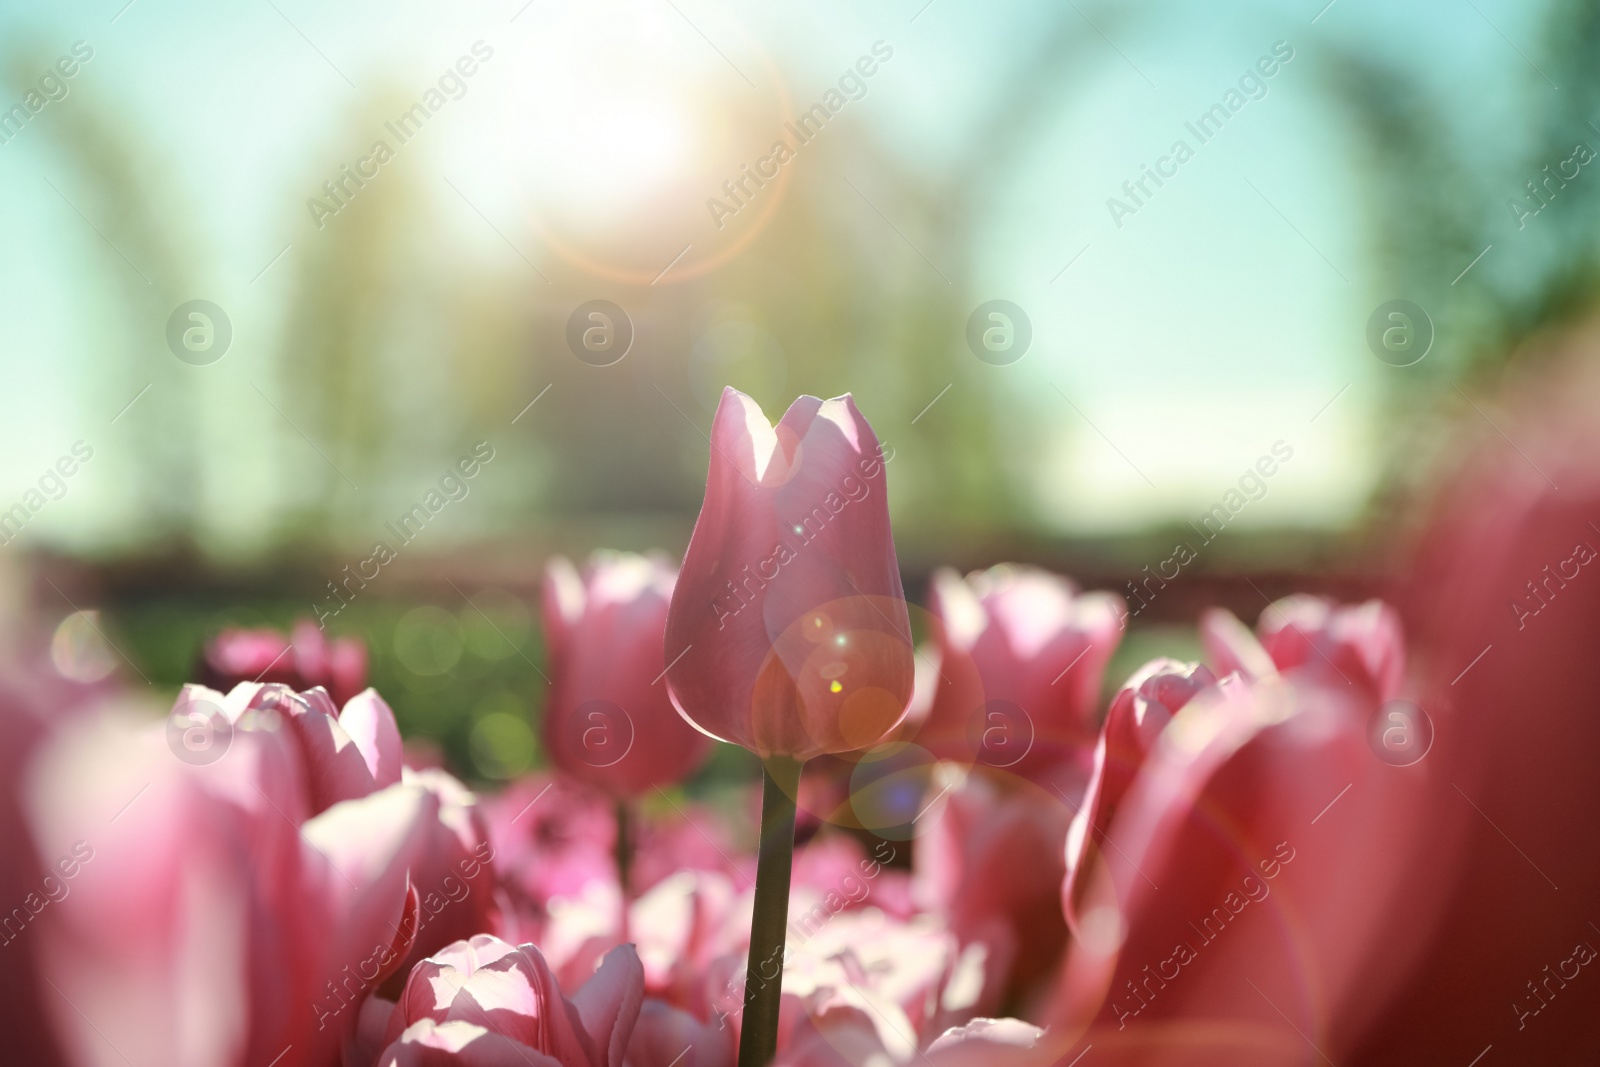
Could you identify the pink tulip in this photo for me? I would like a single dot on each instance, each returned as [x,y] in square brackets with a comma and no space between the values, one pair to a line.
[843,875]
[969,867]
[1021,657]
[667,1037]
[1504,602]
[788,631]
[683,927]
[1251,872]
[911,979]
[346,754]
[551,839]
[204,922]
[349,754]
[304,660]
[692,936]
[684,923]
[1353,645]
[906,981]
[693,836]
[35,704]
[608,720]
[485,1002]
[452,872]
[1139,712]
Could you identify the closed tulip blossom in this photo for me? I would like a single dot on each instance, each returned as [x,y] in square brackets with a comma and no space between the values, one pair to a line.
[608,721]
[1021,656]
[788,632]
[486,1003]
[1357,644]
[346,753]
[1504,598]
[1240,901]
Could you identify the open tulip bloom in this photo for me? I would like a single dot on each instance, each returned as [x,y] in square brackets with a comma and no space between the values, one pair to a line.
[788,632]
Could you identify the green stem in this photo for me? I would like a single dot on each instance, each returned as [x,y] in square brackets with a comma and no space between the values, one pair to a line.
[624,862]
[758,1038]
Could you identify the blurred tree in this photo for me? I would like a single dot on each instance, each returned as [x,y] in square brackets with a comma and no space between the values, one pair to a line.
[1441,192]
[127,217]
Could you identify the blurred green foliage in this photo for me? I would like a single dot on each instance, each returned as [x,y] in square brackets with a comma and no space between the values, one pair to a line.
[465,677]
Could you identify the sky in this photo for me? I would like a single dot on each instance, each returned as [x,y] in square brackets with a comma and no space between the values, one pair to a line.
[1223,316]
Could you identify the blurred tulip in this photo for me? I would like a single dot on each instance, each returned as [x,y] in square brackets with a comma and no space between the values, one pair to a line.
[1139,712]
[684,922]
[693,836]
[486,1002]
[848,1039]
[1503,598]
[608,720]
[551,839]
[667,1037]
[204,922]
[304,660]
[1021,658]
[452,872]
[912,979]
[839,874]
[788,631]
[35,704]
[1357,644]
[1003,1042]
[1238,912]
[990,861]
[347,754]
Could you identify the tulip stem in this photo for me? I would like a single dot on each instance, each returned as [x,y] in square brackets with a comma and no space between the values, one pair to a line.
[758,1038]
[624,863]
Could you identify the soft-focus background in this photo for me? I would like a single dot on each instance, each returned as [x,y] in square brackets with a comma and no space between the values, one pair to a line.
[1434,152]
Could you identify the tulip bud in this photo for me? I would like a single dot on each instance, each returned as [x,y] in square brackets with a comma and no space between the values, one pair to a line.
[1139,712]
[1021,653]
[608,721]
[345,754]
[788,631]
[1259,841]
[1354,645]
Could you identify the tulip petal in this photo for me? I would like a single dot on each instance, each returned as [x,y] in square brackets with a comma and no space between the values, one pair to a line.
[369,722]
[608,1003]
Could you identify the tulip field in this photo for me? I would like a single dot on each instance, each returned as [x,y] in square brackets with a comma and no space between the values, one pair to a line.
[982,845]
[672,533]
